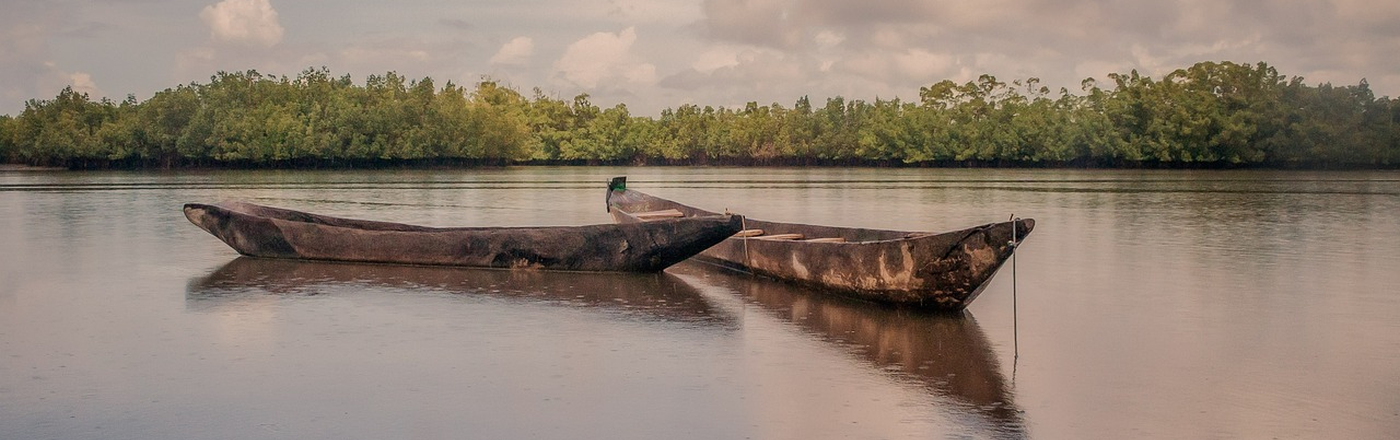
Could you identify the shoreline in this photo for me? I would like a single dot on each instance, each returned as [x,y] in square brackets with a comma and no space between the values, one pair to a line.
[16,167]
[312,165]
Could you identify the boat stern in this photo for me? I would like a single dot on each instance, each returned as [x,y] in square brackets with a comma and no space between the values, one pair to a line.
[617,184]
[655,245]
[247,234]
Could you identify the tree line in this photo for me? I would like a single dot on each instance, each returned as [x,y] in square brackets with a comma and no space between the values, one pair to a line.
[1208,115]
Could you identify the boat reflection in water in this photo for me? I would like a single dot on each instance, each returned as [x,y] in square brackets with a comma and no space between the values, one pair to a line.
[946,353]
[644,295]
[945,356]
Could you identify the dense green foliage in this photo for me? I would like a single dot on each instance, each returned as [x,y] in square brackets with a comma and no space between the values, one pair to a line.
[1211,114]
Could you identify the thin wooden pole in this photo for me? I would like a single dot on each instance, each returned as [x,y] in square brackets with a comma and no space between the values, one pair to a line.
[1015,316]
[744,225]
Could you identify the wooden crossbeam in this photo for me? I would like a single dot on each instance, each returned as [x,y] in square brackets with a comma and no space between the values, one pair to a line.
[782,237]
[826,240]
[657,215]
[749,233]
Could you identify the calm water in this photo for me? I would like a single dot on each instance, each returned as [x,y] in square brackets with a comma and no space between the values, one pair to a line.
[1149,305]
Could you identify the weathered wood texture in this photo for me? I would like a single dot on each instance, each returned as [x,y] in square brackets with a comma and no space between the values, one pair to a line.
[263,231]
[927,270]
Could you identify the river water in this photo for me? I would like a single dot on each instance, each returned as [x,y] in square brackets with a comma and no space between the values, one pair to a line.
[1146,304]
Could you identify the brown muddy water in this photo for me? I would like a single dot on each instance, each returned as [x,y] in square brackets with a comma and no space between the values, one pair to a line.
[1160,304]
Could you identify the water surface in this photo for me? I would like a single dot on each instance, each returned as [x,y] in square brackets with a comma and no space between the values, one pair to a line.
[1148,305]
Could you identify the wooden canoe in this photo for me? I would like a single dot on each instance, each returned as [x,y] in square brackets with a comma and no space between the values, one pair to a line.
[263,231]
[944,270]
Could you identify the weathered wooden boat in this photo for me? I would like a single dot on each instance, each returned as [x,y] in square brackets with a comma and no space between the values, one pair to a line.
[263,231]
[920,269]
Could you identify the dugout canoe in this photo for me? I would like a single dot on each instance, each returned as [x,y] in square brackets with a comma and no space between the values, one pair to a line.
[931,270]
[264,231]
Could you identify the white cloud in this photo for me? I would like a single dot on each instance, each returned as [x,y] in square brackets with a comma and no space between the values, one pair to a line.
[243,21]
[923,65]
[82,83]
[515,52]
[648,11]
[715,58]
[758,22]
[828,39]
[757,69]
[912,66]
[603,56]
[55,78]
[639,73]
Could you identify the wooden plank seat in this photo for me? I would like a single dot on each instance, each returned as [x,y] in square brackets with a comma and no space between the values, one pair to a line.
[781,237]
[657,215]
[749,233]
[826,240]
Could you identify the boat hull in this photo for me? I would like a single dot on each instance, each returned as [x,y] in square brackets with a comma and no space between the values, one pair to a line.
[945,271]
[262,231]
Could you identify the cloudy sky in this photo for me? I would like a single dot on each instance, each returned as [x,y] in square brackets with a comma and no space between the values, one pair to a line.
[655,54]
